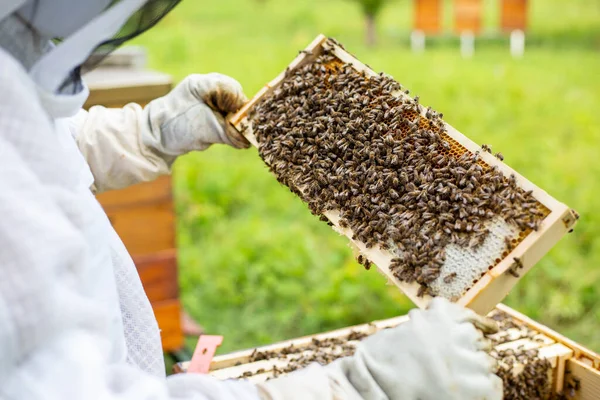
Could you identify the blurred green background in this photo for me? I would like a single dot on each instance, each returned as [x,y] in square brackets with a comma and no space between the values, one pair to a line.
[257,267]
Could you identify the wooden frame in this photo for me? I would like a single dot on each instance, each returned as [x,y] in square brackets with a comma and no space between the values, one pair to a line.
[569,360]
[495,284]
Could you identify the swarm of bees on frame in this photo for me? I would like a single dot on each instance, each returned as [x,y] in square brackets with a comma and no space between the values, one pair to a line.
[524,375]
[322,351]
[344,141]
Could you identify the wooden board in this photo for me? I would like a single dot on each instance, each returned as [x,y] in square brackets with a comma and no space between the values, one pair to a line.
[143,216]
[467,16]
[428,16]
[115,87]
[158,272]
[157,191]
[145,229]
[168,316]
[495,284]
[513,15]
[582,382]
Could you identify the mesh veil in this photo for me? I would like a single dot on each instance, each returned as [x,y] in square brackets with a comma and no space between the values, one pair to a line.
[145,18]
[142,20]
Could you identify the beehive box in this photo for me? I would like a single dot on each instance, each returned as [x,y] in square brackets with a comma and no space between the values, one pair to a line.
[143,214]
[534,361]
[473,259]
[428,16]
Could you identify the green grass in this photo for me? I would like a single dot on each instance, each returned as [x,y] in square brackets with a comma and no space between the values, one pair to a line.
[256,266]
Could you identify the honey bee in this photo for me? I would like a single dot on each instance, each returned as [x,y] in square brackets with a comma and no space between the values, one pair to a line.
[450,277]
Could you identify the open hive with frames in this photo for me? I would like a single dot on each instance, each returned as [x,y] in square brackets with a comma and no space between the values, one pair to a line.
[436,213]
[534,362]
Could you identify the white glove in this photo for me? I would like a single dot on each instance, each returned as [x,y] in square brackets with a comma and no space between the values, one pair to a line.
[437,355]
[125,146]
[192,116]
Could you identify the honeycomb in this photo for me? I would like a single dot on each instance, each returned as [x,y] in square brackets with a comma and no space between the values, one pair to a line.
[468,264]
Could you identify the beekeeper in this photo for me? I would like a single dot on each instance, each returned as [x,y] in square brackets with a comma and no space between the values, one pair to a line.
[75,322]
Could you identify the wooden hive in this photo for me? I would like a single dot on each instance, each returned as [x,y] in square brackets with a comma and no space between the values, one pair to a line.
[428,16]
[574,370]
[143,214]
[513,15]
[497,281]
[467,16]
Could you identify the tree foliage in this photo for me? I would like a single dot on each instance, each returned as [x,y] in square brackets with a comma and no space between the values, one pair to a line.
[371,7]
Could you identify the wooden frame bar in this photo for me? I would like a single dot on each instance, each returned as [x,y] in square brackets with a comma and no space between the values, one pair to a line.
[495,284]
[582,381]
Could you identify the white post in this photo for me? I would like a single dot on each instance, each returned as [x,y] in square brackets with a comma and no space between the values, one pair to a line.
[517,43]
[417,41]
[467,44]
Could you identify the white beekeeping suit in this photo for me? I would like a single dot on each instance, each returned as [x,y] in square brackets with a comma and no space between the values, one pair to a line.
[74,320]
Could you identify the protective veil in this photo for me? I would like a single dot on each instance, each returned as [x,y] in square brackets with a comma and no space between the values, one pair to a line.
[76,323]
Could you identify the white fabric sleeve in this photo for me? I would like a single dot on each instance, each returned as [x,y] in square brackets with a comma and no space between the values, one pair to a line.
[54,340]
[112,142]
[134,144]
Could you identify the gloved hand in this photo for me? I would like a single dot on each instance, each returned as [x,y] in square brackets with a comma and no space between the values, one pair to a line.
[129,145]
[437,355]
[193,115]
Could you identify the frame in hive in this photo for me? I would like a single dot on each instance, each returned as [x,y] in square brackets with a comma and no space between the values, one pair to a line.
[573,370]
[497,275]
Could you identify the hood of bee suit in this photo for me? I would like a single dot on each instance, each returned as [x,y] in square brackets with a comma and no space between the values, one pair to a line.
[81,25]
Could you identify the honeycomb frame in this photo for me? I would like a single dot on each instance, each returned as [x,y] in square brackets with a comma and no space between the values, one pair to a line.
[497,281]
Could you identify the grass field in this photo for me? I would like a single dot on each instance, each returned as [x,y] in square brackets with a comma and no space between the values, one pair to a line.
[257,267]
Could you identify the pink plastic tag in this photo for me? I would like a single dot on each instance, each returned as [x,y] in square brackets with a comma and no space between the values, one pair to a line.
[204,353]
